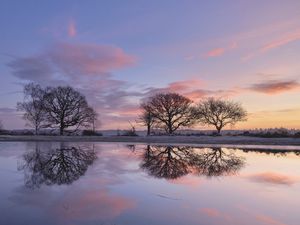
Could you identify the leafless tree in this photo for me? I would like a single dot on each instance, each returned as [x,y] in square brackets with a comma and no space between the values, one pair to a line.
[219,113]
[170,110]
[33,106]
[146,118]
[1,125]
[67,108]
[94,120]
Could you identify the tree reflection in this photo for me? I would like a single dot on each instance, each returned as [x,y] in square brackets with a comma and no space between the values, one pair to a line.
[166,162]
[217,162]
[173,162]
[58,166]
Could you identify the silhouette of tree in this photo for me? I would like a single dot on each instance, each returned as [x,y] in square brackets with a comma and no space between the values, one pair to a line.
[170,110]
[33,106]
[146,118]
[217,162]
[173,162]
[219,113]
[67,108]
[56,166]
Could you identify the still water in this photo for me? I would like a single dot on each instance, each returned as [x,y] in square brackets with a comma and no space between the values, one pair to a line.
[118,184]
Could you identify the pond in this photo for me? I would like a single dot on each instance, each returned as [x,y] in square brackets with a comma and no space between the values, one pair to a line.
[119,184]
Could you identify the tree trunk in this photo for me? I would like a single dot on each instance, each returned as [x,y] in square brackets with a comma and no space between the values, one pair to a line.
[36,130]
[61,130]
[170,130]
[148,130]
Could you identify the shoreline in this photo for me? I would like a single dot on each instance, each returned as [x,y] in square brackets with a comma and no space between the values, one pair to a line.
[172,140]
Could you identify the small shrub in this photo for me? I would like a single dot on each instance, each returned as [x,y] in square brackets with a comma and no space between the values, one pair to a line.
[215,134]
[90,133]
[130,133]
[297,135]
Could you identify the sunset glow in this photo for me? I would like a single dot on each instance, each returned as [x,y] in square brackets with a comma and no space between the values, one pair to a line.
[119,53]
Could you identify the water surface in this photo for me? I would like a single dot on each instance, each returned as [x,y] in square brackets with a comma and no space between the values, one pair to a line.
[118,184]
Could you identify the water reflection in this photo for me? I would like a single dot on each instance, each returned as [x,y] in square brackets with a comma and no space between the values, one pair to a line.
[62,165]
[218,162]
[113,188]
[167,162]
[173,162]
[274,152]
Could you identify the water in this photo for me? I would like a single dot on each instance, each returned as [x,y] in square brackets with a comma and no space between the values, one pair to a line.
[118,184]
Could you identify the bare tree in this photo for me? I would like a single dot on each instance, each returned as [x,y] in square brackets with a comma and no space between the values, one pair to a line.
[94,119]
[1,125]
[170,110]
[146,118]
[67,108]
[219,113]
[33,106]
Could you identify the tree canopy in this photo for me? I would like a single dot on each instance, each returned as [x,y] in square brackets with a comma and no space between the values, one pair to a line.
[219,113]
[170,110]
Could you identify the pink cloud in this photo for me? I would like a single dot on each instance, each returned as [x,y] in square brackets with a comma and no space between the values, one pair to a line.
[220,51]
[259,216]
[210,212]
[282,41]
[215,52]
[276,43]
[192,89]
[88,59]
[275,86]
[189,181]
[273,178]
[184,85]
[72,31]
[268,220]
[93,205]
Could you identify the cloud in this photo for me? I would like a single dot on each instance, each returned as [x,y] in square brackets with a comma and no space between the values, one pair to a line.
[215,52]
[268,220]
[189,181]
[275,86]
[273,178]
[210,212]
[193,89]
[65,61]
[281,41]
[274,44]
[220,51]
[94,205]
[265,219]
[87,67]
[72,31]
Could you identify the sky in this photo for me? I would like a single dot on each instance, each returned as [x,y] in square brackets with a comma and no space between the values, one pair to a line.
[118,53]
